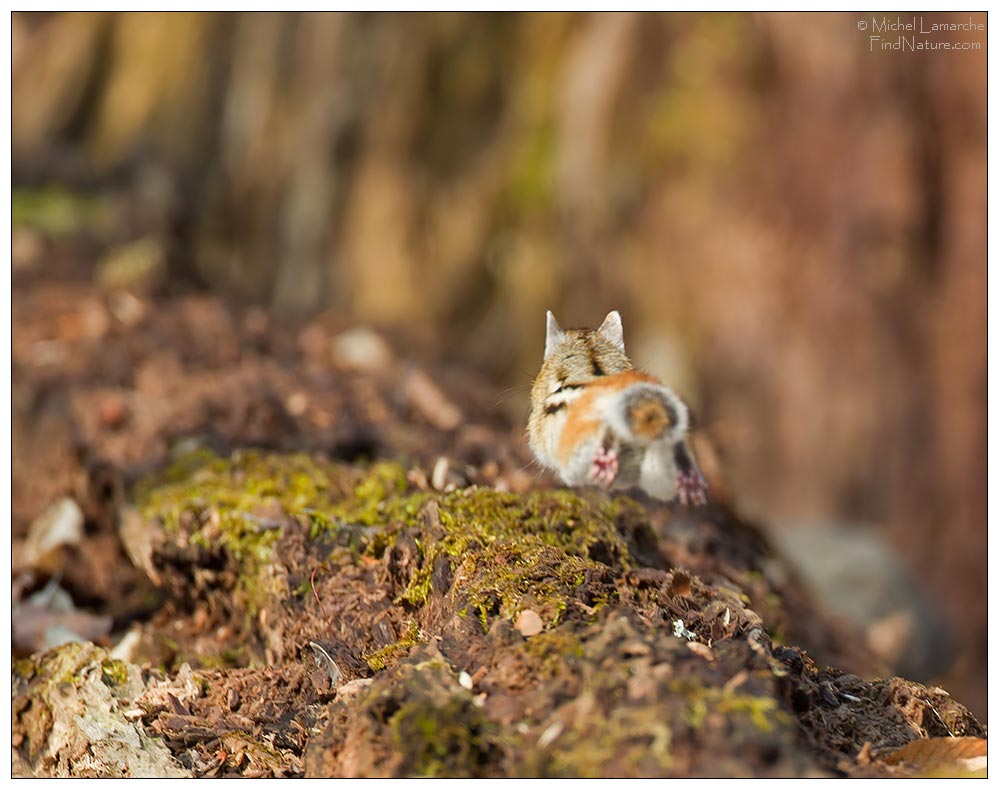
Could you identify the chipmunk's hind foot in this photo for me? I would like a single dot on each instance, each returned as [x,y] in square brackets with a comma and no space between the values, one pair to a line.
[605,465]
[691,489]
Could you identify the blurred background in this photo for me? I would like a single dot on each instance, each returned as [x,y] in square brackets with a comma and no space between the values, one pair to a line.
[792,224]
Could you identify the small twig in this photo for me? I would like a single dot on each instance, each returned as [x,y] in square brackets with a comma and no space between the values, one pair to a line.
[312,581]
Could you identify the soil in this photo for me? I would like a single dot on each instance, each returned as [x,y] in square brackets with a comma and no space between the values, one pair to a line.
[305,554]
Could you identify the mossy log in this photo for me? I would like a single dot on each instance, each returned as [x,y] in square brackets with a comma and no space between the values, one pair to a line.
[348,621]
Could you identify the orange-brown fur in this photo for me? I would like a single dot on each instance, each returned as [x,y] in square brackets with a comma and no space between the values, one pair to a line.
[581,420]
[649,419]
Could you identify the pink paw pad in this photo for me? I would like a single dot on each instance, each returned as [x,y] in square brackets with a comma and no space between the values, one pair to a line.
[605,466]
[691,489]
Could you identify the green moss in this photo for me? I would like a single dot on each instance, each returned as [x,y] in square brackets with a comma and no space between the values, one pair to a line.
[762,712]
[114,672]
[227,657]
[438,730]
[637,741]
[549,649]
[64,662]
[510,552]
[236,490]
[432,735]
[233,504]
[24,668]
[509,549]
[369,518]
[385,656]
[379,487]
[70,664]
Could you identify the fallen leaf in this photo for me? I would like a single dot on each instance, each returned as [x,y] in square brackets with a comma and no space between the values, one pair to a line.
[679,585]
[943,757]
[61,524]
[140,537]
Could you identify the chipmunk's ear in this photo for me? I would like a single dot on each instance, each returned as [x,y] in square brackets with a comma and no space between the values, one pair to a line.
[611,329]
[553,335]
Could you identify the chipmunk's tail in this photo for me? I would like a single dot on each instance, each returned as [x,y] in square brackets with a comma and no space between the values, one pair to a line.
[646,413]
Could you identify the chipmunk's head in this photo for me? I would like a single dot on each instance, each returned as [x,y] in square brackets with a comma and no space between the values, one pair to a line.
[575,356]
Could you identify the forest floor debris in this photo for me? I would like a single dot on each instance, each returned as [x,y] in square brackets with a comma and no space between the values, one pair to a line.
[304,564]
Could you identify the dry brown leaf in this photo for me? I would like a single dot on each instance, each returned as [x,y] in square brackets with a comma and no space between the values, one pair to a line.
[59,525]
[943,757]
[140,538]
[679,585]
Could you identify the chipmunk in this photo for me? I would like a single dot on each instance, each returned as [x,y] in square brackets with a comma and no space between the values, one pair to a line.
[596,420]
